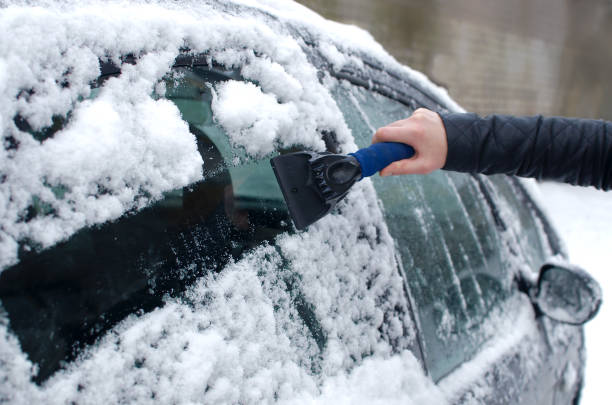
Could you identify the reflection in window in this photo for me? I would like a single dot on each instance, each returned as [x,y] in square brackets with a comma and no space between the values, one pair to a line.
[63,298]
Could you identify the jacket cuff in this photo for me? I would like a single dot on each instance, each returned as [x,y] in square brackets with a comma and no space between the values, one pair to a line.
[462,153]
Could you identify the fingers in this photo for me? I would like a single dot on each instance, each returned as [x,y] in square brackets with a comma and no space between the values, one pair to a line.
[400,133]
[406,166]
[418,113]
[398,123]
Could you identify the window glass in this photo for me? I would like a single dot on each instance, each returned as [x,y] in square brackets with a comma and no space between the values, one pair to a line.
[519,220]
[63,298]
[446,237]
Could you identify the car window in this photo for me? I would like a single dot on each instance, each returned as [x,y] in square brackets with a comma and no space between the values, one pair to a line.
[60,299]
[446,236]
[525,227]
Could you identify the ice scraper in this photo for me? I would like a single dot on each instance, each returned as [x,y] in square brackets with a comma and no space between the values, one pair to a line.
[313,183]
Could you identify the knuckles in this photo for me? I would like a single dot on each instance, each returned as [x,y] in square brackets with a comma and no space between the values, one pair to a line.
[420,112]
[415,127]
[383,133]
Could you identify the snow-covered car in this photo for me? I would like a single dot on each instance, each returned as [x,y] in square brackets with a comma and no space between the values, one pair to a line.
[147,254]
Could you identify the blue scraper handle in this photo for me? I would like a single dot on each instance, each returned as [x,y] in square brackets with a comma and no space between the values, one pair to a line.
[376,157]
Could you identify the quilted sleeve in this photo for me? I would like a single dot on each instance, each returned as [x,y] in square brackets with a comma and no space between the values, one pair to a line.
[575,151]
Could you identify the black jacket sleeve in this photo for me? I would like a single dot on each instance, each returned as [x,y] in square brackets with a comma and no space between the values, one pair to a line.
[575,151]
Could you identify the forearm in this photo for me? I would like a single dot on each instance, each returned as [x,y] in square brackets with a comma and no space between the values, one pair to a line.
[574,151]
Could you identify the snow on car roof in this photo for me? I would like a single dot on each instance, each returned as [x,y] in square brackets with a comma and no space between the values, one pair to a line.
[122,149]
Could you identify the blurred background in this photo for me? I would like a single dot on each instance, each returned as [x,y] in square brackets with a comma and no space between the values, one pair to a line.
[522,57]
[551,57]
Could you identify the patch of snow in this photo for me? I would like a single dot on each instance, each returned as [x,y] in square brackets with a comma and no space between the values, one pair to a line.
[522,338]
[397,380]
[349,38]
[331,36]
[258,122]
[251,118]
[15,369]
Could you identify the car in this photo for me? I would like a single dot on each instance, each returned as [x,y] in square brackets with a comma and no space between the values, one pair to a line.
[148,255]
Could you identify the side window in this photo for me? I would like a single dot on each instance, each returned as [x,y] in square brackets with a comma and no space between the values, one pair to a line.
[525,227]
[446,237]
[60,299]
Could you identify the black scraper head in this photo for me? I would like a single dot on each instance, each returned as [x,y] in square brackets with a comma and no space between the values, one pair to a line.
[313,183]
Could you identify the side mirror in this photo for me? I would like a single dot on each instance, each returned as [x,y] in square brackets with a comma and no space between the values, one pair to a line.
[567,293]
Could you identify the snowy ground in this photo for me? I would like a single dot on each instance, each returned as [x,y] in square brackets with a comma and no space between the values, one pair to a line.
[583,216]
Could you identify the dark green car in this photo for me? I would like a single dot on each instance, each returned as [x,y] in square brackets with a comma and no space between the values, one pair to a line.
[444,288]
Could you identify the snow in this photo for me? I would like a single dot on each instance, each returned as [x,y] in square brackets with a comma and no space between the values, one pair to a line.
[235,336]
[403,384]
[583,218]
[137,146]
[259,123]
[523,334]
[121,148]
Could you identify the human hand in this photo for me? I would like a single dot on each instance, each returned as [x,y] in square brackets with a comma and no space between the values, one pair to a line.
[425,132]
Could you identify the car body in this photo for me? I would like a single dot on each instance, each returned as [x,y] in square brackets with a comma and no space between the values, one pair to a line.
[149,255]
